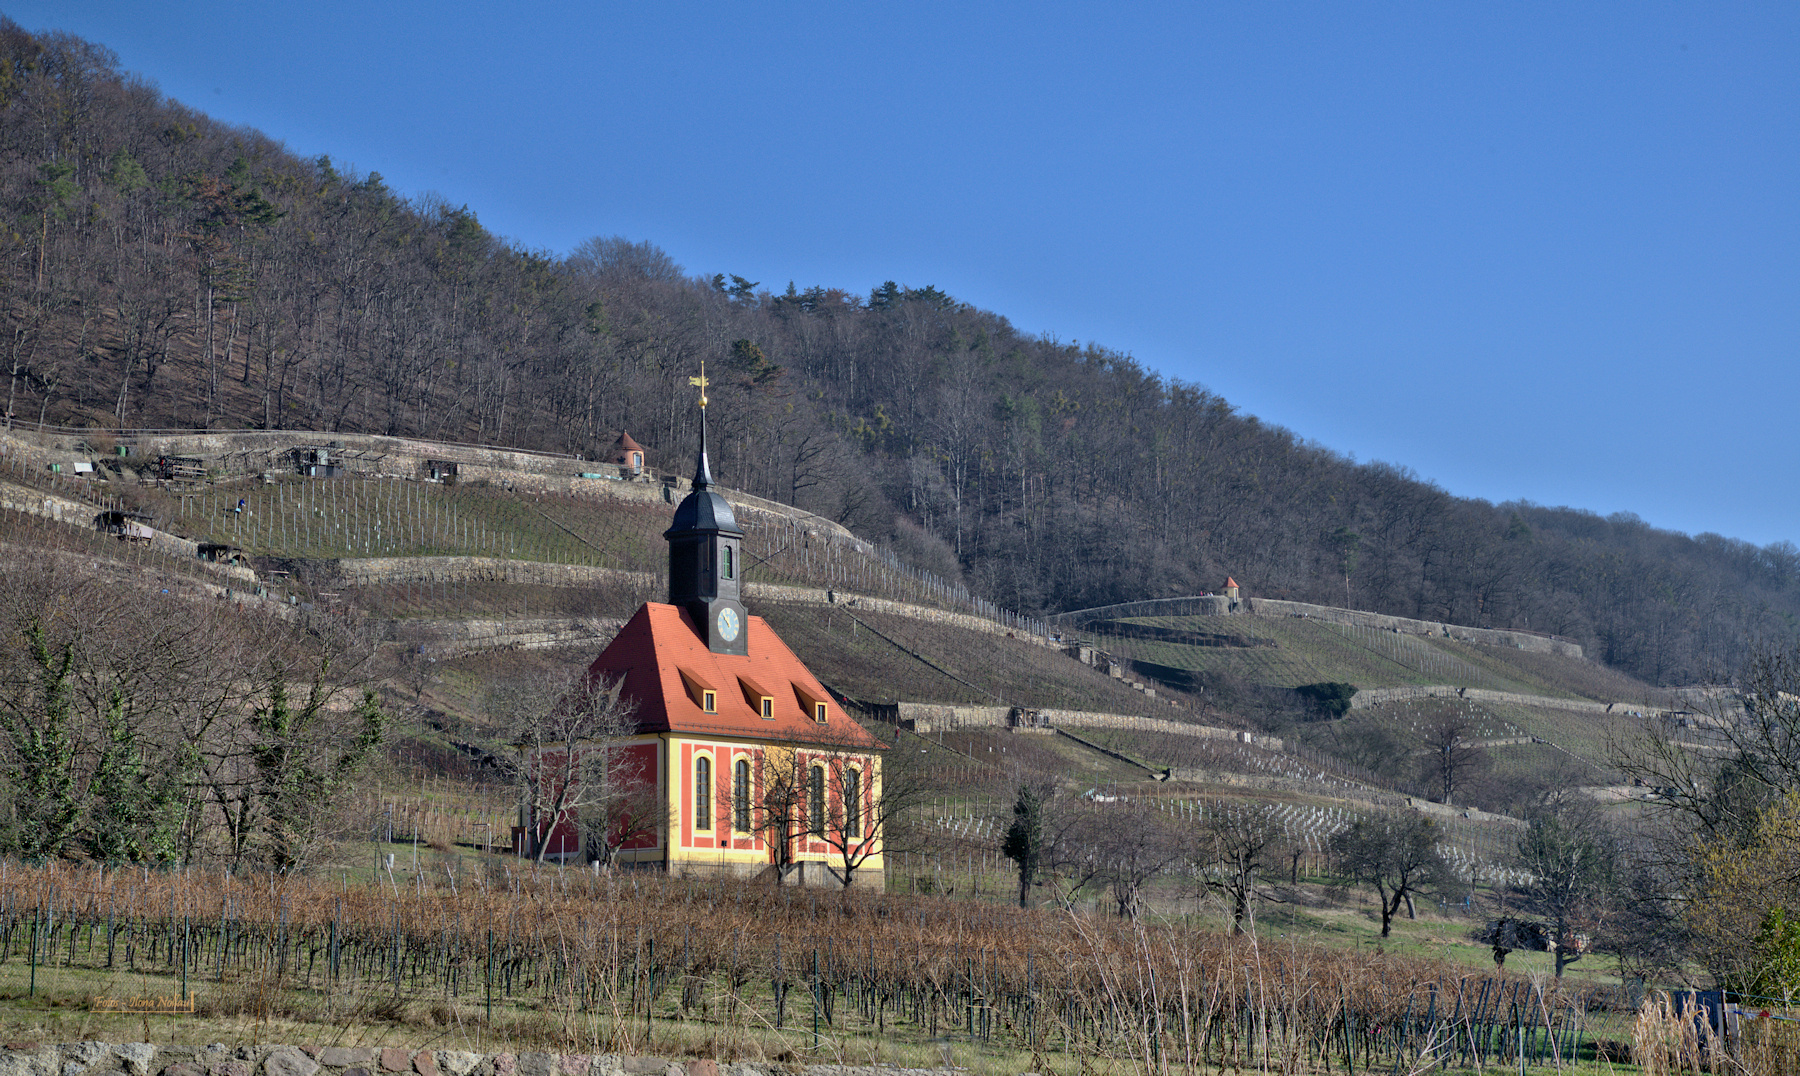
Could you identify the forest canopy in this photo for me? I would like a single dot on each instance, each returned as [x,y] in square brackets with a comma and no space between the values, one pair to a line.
[161,269]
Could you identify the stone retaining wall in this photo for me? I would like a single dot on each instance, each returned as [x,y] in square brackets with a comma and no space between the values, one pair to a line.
[1339,789]
[1218,605]
[370,571]
[439,639]
[148,1059]
[923,717]
[255,451]
[79,514]
[373,571]
[1364,700]
[1517,640]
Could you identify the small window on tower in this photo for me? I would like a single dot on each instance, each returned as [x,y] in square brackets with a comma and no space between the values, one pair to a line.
[709,701]
[730,568]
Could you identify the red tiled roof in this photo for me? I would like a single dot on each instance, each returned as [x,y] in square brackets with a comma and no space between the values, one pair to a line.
[1230,582]
[658,645]
[625,442]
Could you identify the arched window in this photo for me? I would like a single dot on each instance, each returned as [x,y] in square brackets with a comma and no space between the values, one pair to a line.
[730,565]
[852,802]
[703,793]
[740,796]
[815,801]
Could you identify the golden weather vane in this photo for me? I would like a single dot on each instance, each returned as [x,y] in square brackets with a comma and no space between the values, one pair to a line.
[700,383]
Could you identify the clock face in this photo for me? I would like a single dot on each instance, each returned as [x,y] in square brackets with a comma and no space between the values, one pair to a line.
[728,624]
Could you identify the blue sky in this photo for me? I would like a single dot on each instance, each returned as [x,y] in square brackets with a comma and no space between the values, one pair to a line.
[1540,251]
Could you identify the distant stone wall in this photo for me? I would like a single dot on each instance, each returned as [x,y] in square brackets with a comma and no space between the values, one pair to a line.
[1197,605]
[1336,787]
[240,452]
[151,1059]
[373,571]
[923,717]
[440,639]
[861,603]
[1517,640]
[1219,605]
[1367,699]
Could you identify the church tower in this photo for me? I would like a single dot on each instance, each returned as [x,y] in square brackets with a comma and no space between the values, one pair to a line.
[706,557]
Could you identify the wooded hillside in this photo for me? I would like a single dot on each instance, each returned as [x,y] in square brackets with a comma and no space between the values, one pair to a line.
[160,269]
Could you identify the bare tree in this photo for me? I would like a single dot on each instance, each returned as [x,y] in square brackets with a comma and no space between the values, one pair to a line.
[867,794]
[568,764]
[1571,864]
[1236,844]
[1721,772]
[171,727]
[779,816]
[1450,756]
[1397,857]
[1057,842]
[1133,844]
[1720,765]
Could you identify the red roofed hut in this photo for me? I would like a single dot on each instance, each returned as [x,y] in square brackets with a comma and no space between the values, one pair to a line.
[627,454]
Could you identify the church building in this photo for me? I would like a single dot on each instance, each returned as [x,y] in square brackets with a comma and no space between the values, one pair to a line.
[757,770]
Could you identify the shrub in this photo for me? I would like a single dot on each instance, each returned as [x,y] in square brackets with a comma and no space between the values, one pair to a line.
[1329,697]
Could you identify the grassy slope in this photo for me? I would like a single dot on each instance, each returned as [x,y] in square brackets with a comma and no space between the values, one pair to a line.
[1586,740]
[983,764]
[1310,651]
[917,660]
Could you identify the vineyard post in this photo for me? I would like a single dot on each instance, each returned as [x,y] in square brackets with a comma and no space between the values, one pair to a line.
[490,977]
[1349,1048]
[780,987]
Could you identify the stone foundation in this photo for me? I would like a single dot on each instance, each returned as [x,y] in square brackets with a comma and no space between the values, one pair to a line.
[147,1059]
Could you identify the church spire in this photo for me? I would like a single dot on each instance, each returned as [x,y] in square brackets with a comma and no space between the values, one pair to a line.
[702,468]
[706,555]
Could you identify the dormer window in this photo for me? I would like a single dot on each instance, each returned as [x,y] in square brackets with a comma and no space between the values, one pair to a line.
[699,692]
[811,703]
[758,697]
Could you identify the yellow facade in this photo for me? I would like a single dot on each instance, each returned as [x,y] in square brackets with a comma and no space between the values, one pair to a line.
[729,803]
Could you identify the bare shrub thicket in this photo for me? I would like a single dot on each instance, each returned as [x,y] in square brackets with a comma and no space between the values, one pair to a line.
[142,726]
[636,962]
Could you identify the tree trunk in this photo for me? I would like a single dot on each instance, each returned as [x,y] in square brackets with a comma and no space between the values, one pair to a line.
[1389,906]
